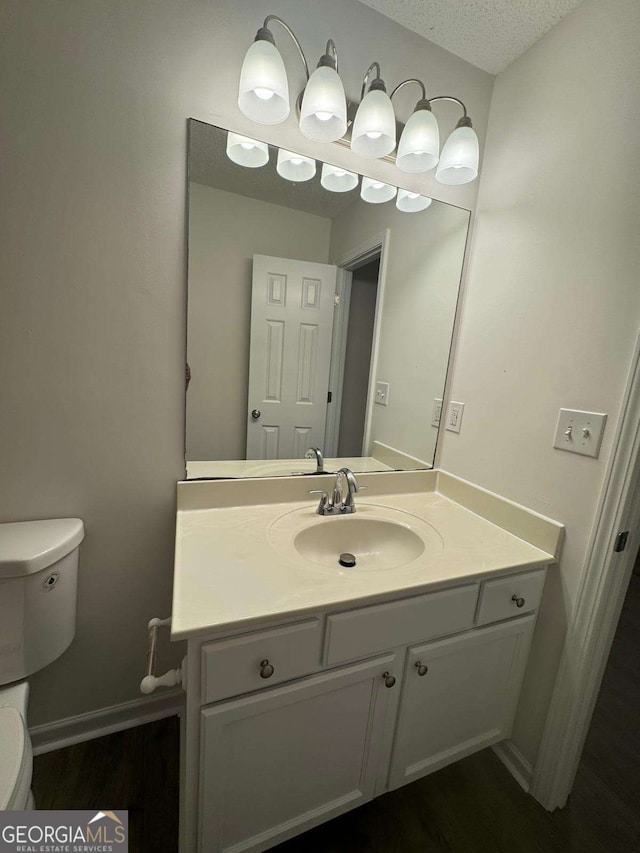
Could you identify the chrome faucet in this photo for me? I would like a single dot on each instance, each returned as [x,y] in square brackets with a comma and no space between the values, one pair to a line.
[315,451]
[340,502]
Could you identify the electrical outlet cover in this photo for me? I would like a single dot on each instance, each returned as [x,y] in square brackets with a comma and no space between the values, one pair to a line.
[437,412]
[454,416]
[382,393]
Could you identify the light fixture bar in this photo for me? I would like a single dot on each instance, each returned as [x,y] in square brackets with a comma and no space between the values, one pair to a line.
[406,82]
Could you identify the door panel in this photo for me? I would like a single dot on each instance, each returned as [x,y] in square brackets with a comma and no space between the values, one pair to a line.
[292,307]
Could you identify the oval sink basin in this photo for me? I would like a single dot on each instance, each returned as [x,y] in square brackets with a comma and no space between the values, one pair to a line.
[375,543]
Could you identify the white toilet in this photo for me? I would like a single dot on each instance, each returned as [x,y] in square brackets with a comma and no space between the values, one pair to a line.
[38,593]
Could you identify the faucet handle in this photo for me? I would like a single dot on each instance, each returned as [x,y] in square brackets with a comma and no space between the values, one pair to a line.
[324,504]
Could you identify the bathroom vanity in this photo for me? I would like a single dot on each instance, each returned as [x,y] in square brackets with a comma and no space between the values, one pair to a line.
[313,687]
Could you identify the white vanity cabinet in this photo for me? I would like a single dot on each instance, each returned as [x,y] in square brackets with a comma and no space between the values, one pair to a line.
[459,695]
[281,761]
[291,725]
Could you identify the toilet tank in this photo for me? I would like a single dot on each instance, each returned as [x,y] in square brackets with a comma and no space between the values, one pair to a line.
[38,593]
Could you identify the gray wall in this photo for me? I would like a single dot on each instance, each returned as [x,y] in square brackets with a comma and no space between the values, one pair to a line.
[95,97]
[553,300]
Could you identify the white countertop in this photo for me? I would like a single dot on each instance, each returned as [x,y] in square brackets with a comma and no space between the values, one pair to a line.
[234,565]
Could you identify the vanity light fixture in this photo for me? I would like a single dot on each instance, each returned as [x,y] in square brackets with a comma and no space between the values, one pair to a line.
[419,146]
[323,112]
[295,167]
[376,192]
[374,127]
[409,202]
[337,180]
[263,94]
[246,151]
[461,153]
[263,97]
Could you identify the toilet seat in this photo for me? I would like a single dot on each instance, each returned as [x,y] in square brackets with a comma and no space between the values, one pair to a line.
[16,760]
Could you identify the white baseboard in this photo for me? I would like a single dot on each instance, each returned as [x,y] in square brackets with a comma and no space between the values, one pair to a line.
[106,721]
[515,762]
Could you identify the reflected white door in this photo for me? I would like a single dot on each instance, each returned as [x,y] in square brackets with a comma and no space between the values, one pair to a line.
[291,324]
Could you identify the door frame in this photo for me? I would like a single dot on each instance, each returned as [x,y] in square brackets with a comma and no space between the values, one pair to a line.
[376,246]
[597,611]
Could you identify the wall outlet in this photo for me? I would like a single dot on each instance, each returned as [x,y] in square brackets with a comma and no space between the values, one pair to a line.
[579,432]
[437,412]
[454,416]
[382,393]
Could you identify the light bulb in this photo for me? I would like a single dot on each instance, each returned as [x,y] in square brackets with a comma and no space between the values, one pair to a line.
[263,94]
[374,134]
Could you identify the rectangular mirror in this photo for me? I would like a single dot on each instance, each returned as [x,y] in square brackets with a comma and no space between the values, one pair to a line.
[316,319]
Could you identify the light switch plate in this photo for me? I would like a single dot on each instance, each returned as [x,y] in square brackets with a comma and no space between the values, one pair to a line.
[454,416]
[382,393]
[437,412]
[580,432]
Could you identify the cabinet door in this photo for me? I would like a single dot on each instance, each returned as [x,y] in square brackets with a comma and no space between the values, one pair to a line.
[465,700]
[276,763]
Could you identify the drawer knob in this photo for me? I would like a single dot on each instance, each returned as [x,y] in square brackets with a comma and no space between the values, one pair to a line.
[422,668]
[266,670]
[519,601]
[389,680]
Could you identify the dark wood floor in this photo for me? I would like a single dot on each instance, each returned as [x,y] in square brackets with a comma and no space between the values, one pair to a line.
[473,806]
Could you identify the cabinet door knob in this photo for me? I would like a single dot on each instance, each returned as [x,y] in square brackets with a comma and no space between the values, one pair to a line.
[266,670]
[389,680]
[519,601]
[422,668]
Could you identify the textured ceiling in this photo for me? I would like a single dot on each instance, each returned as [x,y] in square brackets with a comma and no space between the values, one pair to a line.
[489,34]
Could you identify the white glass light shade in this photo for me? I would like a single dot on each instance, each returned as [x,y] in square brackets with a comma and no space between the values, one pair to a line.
[419,146]
[295,167]
[337,180]
[323,114]
[376,192]
[409,202]
[459,159]
[374,127]
[246,151]
[263,95]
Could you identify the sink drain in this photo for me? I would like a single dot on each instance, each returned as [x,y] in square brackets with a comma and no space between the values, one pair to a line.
[347,560]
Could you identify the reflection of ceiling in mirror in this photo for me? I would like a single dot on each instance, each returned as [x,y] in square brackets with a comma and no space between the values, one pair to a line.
[209,165]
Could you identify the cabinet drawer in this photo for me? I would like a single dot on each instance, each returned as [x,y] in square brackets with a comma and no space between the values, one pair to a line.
[231,667]
[363,632]
[499,599]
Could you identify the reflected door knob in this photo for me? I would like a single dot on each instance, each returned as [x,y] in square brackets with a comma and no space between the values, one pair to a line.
[255,414]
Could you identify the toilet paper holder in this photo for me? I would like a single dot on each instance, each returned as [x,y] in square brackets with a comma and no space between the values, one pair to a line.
[172,677]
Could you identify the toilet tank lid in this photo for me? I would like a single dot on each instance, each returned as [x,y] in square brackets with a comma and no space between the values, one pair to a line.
[30,546]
